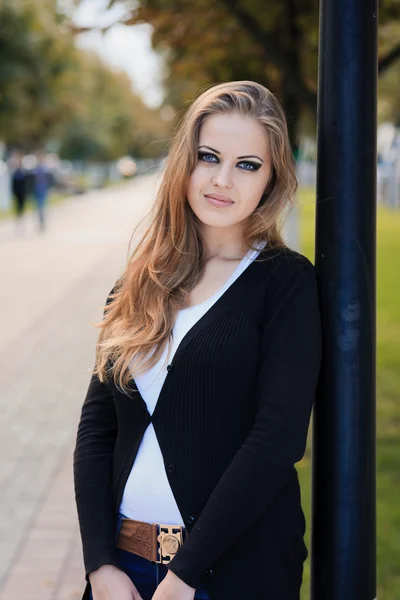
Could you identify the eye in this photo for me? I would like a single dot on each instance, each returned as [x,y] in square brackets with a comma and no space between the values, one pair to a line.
[205,157]
[250,166]
[208,157]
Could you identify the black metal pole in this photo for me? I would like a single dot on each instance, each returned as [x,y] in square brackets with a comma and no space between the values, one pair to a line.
[344,515]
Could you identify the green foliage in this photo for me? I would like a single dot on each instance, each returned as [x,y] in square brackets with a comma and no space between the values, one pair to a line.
[52,92]
[388,85]
[274,43]
[108,119]
[34,61]
[388,393]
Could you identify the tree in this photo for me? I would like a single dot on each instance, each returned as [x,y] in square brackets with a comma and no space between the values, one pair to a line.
[273,43]
[388,87]
[109,120]
[51,91]
[37,56]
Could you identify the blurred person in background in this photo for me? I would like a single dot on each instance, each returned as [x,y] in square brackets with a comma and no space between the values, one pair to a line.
[19,188]
[206,370]
[41,185]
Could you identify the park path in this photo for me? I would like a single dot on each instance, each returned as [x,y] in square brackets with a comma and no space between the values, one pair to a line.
[53,286]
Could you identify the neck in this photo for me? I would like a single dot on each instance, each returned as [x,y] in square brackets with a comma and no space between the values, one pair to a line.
[222,244]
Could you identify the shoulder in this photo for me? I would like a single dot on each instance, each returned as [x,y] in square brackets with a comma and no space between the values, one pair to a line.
[290,289]
[284,264]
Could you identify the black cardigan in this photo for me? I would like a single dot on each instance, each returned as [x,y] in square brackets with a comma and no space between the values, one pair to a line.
[231,421]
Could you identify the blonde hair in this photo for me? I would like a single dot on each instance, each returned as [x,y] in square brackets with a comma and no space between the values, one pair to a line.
[169,259]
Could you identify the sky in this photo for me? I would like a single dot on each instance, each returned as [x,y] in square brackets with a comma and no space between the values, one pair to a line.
[128,48]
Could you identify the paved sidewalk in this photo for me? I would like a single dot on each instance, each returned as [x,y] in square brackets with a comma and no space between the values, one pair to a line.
[53,288]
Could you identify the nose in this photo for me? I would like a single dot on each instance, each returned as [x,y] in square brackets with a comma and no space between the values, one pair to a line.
[223,178]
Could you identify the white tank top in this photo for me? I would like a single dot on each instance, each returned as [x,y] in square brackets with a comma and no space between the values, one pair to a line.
[147,494]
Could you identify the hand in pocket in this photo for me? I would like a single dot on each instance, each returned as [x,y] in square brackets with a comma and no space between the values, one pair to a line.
[110,583]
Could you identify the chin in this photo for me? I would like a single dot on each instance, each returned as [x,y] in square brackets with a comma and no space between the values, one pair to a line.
[209,216]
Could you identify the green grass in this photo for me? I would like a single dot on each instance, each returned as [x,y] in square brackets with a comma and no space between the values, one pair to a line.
[388,397]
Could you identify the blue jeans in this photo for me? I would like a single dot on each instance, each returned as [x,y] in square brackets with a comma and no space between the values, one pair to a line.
[40,203]
[145,575]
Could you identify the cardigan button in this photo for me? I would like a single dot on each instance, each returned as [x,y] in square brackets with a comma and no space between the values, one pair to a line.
[170,368]
[171,468]
[208,571]
[190,520]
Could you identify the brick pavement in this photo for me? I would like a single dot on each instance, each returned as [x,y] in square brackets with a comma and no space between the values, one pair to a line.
[53,288]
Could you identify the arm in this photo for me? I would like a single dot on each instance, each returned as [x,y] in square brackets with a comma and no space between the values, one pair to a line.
[291,353]
[92,463]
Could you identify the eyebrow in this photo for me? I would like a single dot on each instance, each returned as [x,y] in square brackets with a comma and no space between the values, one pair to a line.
[247,156]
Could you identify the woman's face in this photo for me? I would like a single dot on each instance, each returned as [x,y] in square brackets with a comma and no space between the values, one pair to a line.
[234,164]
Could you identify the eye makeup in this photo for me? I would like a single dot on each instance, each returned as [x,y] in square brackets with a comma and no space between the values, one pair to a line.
[251,166]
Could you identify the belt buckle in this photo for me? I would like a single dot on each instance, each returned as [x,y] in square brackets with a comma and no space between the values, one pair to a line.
[169,540]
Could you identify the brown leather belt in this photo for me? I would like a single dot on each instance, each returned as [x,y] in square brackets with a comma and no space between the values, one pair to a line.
[157,542]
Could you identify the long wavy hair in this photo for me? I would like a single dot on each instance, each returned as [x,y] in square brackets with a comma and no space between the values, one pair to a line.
[168,261]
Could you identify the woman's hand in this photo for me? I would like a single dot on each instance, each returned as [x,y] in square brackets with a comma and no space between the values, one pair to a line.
[110,583]
[173,588]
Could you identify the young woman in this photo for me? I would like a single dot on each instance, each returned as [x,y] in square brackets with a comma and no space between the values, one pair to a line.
[206,369]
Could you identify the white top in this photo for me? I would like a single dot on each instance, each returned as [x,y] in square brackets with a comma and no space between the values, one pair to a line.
[147,495]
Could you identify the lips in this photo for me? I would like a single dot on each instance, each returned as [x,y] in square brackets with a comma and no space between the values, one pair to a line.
[220,197]
[219,200]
